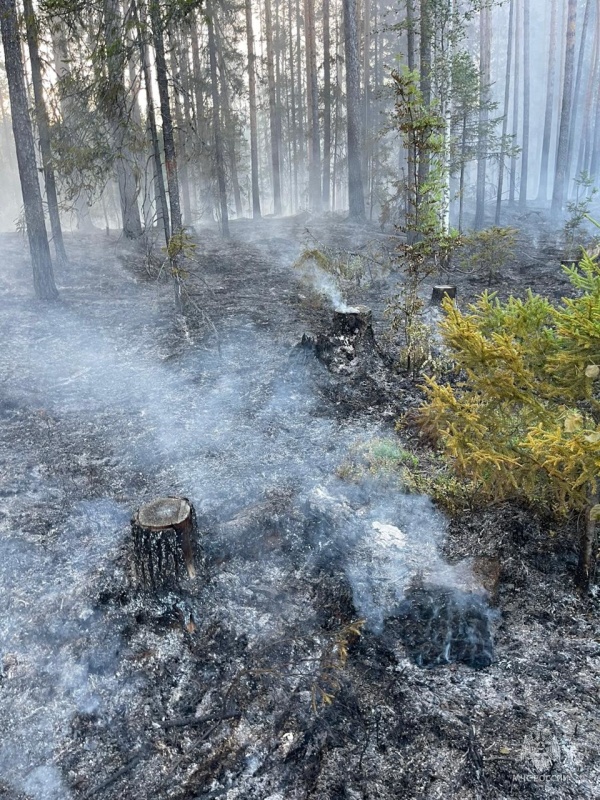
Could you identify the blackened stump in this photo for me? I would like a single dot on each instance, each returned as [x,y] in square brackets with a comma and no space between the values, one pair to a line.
[356,321]
[164,532]
[439,293]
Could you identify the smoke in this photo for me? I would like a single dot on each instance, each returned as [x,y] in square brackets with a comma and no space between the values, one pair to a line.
[384,541]
[58,653]
[95,385]
[325,285]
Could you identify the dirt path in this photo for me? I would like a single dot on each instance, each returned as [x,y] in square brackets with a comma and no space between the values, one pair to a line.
[104,403]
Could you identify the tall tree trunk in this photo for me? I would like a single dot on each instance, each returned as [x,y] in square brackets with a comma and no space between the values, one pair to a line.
[300,94]
[43,125]
[115,101]
[356,199]
[312,91]
[526,104]
[562,156]
[216,113]
[426,33]
[43,274]
[550,92]
[410,34]
[177,55]
[411,155]
[366,80]
[273,112]
[595,139]
[326,106]
[516,98]
[293,110]
[574,131]
[511,22]
[162,210]
[336,114]
[585,146]
[158,37]
[228,126]
[199,110]
[253,125]
[485,35]
[81,205]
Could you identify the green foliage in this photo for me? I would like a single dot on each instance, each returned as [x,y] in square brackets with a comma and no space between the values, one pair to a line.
[428,246]
[181,245]
[487,251]
[405,311]
[341,265]
[384,458]
[579,208]
[524,419]
[422,130]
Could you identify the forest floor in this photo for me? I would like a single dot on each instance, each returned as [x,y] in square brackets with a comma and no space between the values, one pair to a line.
[253,683]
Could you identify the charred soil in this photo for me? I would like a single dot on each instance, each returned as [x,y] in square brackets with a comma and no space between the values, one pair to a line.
[288,667]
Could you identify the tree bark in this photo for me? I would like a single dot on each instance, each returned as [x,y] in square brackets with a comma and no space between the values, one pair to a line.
[485,33]
[574,132]
[326,106]
[43,125]
[164,535]
[312,92]
[410,34]
[61,57]
[156,23]
[161,194]
[273,112]
[115,102]
[43,274]
[526,104]
[595,143]
[294,143]
[516,98]
[550,92]
[588,545]
[356,199]
[426,33]
[177,74]
[216,114]
[253,123]
[511,22]
[228,123]
[562,156]
[300,95]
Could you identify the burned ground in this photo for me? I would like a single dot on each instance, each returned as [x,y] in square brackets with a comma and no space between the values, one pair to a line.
[256,681]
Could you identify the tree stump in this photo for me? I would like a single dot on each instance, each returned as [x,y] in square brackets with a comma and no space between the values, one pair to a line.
[164,532]
[440,292]
[356,321]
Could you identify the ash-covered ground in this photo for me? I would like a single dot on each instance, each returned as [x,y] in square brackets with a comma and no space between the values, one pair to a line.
[336,642]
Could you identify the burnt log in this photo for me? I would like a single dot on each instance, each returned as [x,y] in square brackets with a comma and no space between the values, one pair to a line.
[164,533]
[439,293]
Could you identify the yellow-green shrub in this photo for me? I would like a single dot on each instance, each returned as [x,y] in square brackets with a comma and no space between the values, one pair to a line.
[523,420]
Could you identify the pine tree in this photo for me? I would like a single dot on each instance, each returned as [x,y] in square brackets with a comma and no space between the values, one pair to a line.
[43,274]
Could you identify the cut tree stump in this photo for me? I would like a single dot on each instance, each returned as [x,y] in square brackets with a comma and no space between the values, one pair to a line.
[440,292]
[164,532]
[356,321]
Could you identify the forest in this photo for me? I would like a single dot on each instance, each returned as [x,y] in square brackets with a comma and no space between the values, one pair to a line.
[299,399]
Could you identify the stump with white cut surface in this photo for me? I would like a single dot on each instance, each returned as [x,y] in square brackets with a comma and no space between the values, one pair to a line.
[439,293]
[164,535]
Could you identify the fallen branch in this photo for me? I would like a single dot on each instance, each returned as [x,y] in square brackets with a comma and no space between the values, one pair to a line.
[182,722]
